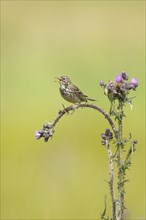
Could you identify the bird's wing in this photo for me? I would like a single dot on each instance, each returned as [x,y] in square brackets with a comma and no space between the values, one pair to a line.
[74,89]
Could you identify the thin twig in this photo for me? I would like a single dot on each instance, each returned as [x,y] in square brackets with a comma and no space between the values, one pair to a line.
[130,152]
[104,211]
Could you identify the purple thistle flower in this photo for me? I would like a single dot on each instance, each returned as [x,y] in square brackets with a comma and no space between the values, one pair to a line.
[118,78]
[38,134]
[134,82]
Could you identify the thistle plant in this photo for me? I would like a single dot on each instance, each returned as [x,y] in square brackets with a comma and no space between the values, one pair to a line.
[118,93]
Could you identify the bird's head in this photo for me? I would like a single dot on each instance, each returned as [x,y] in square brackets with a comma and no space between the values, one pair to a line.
[64,80]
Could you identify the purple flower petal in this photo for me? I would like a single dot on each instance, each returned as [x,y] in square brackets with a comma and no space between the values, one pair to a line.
[37,135]
[118,78]
[134,82]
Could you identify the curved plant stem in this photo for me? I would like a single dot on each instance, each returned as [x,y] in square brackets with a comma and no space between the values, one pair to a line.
[86,105]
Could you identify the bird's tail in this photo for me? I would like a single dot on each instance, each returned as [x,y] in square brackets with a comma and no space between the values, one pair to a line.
[91,99]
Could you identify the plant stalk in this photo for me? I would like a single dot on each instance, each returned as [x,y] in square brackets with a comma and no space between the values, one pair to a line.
[121,190]
[111,181]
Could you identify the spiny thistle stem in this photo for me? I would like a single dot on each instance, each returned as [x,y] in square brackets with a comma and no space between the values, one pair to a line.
[86,105]
[111,181]
[121,190]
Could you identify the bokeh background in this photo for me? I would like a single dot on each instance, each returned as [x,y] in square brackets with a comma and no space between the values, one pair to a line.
[88,41]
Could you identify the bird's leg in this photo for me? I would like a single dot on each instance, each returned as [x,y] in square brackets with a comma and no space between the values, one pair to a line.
[65,109]
[70,108]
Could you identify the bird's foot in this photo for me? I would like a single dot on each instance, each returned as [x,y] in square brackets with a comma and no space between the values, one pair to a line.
[73,108]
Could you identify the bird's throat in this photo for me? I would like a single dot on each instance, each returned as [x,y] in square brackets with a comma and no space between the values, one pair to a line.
[62,86]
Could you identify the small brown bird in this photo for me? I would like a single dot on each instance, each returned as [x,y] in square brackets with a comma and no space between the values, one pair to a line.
[70,92]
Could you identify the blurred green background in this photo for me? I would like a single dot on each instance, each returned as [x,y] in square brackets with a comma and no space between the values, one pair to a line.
[88,41]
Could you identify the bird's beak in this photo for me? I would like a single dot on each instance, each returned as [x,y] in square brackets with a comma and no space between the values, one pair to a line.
[57,79]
